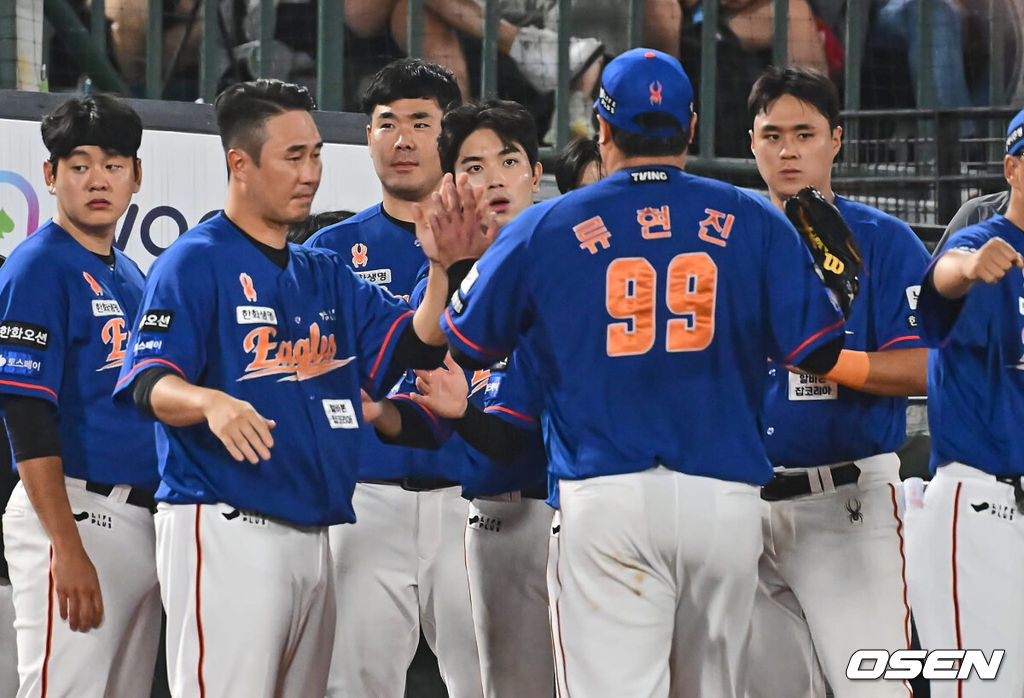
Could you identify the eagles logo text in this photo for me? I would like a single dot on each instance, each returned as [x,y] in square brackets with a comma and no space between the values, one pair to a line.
[300,360]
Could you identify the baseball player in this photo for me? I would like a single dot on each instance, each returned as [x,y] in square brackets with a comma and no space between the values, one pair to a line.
[403,568]
[965,559]
[251,352]
[493,146]
[673,289]
[831,576]
[78,529]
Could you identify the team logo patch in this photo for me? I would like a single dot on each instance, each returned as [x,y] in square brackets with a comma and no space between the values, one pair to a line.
[24,334]
[101,308]
[805,387]
[911,322]
[255,315]
[341,414]
[96,288]
[300,360]
[376,276]
[156,321]
[608,102]
[115,336]
[479,380]
[359,255]
[19,363]
[853,506]
[1006,512]
[655,89]
[247,287]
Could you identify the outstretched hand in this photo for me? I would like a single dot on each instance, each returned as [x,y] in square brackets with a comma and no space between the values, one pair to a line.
[444,391]
[451,228]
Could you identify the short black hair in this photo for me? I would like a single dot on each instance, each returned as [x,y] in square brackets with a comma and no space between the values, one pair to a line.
[304,229]
[805,84]
[95,119]
[513,123]
[412,78]
[574,159]
[634,144]
[244,108]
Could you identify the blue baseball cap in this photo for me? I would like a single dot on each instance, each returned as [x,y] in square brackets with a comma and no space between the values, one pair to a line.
[640,81]
[1015,135]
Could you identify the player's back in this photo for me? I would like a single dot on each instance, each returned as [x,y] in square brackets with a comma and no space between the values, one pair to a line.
[654,298]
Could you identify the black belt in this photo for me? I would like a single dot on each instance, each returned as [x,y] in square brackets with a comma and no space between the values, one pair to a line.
[136,497]
[417,484]
[789,484]
[537,492]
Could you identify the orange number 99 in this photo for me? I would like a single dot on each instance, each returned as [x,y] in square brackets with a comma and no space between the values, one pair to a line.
[690,293]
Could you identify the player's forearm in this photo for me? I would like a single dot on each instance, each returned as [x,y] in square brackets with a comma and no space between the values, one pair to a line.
[178,403]
[897,373]
[43,479]
[949,274]
[427,320]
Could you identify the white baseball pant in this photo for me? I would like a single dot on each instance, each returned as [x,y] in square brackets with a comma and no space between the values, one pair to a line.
[506,557]
[8,642]
[118,657]
[654,584]
[965,570]
[401,567]
[831,581]
[249,602]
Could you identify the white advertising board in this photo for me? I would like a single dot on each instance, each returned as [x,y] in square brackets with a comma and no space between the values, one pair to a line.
[183,179]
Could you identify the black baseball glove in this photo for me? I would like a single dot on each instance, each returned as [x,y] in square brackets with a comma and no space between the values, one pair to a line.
[836,253]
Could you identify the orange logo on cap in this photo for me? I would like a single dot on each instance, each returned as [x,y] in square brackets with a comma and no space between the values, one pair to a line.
[96,288]
[359,257]
[655,88]
[247,288]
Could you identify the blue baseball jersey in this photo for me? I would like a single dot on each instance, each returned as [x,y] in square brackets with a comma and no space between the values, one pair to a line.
[64,335]
[382,250]
[296,343]
[809,421]
[650,302]
[976,368]
[377,247]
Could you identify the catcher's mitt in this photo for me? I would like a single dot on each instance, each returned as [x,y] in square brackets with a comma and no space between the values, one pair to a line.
[836,253]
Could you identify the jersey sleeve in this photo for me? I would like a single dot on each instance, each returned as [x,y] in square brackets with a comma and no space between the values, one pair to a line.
[33,329]
[896,285]
[801,313]
[440,427]
[513,394]
[380,319]
[491,307]
[965,319]
[174,320]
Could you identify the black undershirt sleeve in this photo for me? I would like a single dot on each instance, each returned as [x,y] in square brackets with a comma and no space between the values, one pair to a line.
[492,436]
[142,389]
[822,359]
[33,427]
[412,352]
[456,273]
[415,433]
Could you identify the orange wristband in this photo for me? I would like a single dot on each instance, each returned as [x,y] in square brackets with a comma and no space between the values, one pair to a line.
[851,369]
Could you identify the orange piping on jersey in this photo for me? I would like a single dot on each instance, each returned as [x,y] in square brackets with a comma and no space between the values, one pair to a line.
[143,363]
[956,597]
[499,408]
[34,387]
[49,628]
[904,338]
[810,339]
[387,340]
[199,616]
[462,337]
[903,575]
